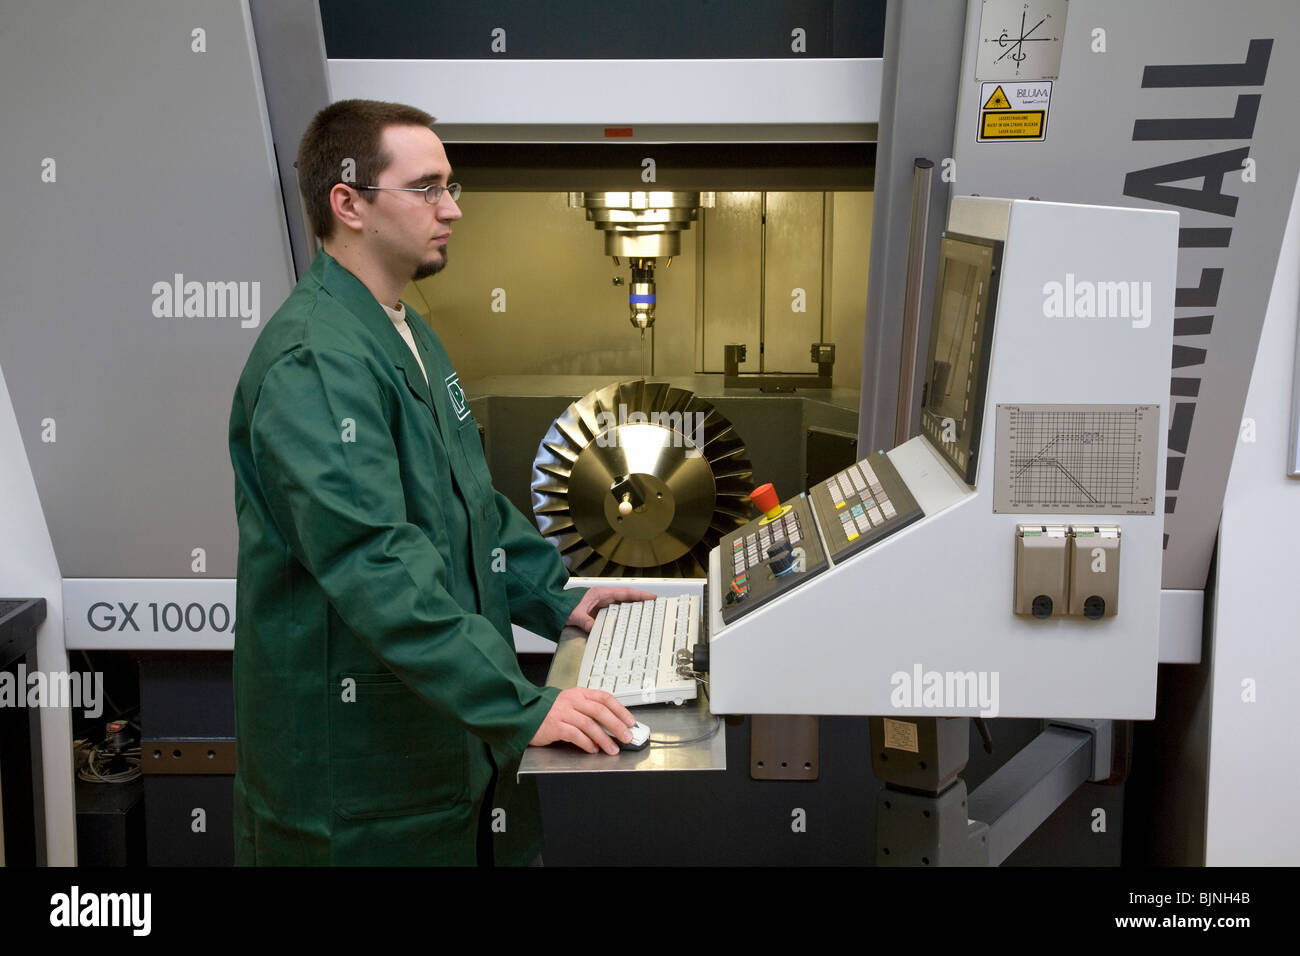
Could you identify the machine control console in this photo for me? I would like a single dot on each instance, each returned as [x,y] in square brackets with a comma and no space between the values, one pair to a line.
[863,504]
[769,555]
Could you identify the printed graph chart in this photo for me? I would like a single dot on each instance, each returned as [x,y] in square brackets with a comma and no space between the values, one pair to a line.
[1080,459]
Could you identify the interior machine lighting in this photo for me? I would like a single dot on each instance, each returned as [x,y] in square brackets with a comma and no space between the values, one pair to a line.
[642,227]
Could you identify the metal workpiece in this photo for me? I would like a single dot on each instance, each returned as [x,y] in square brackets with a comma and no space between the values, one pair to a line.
[657,500]
[640,478]
[681,738]
[1029,787]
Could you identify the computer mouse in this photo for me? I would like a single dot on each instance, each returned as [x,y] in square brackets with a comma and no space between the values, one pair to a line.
[640,737]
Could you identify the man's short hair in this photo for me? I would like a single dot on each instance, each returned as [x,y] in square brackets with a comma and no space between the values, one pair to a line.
[342,145]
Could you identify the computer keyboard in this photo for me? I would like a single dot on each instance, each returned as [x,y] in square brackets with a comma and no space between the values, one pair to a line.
[631,650]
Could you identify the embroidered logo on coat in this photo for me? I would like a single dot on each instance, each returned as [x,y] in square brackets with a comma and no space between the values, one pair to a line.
[459,404]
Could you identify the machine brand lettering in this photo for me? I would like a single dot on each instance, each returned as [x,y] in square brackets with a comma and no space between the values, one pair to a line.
[1201,212]
[208,300]
[172,617]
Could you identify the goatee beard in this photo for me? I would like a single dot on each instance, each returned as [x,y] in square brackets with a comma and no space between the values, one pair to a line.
[427,269]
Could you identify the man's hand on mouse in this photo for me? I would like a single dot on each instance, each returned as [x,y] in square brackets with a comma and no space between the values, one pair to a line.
[578,716]
[584,615]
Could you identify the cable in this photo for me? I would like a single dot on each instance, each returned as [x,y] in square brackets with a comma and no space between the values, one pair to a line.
[661,742]
[92,762]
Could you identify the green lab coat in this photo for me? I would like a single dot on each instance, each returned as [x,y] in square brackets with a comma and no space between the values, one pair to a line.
[376,683]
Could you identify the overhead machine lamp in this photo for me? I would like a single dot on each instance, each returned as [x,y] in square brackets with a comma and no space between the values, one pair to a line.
[642,227]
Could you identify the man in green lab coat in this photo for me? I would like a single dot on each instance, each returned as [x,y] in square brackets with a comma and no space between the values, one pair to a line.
[380,709]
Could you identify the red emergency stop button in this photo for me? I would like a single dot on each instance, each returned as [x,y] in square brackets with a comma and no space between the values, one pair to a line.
[766,500]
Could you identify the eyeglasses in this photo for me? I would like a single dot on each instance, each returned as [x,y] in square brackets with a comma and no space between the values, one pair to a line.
[432,194]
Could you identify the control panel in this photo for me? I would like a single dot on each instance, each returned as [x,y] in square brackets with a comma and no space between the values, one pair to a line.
[862,504]
[769,555]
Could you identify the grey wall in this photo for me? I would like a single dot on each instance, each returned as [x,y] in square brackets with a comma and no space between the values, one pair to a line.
[161,166]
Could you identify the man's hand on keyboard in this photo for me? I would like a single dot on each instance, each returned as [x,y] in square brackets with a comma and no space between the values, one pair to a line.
[584,615]
[578,715]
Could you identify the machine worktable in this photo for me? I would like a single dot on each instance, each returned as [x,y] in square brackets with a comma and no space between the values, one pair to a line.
[667,722]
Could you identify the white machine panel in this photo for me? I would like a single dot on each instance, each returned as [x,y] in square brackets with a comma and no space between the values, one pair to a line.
[922,623]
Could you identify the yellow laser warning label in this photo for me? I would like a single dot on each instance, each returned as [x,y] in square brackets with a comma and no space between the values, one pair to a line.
[1015,124]
[998,101]
[1014,111]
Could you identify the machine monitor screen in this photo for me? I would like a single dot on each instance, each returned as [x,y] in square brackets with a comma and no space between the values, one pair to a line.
[957,365]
